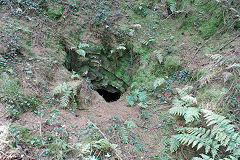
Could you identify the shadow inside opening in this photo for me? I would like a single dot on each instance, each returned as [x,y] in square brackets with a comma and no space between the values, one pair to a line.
[108,96]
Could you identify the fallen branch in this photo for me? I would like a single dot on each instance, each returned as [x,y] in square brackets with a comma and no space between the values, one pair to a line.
[166,18]
[105,137]
[209,40]
[221,30]
[40,125]
[227,43]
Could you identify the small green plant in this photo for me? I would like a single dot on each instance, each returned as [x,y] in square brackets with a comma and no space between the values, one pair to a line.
[15,101]
[145,115]
[8,86]
[222,133]
[68,93]
[137,95]
[183,105]
[140,9]
[172,6]
[49,144]
[123,130]
[219,134]
[58,147]
[55,13]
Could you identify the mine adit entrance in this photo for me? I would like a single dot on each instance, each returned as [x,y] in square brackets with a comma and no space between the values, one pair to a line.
[108,96]
[108,77]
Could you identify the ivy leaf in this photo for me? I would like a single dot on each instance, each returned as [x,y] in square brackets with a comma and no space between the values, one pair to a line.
[131,100]
[81,52]
[143,105]
[142,96]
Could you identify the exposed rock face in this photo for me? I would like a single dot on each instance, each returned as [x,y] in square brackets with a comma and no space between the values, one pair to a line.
[109,71]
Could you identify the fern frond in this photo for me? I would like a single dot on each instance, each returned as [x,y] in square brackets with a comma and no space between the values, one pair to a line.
[74,89]
[164,143]
[130,124]
[200,132]
[184,91]
[187,139]
[60,89]
[174,144]
[191,114]
[123,133]
[204,157]
[222,134]
[212,118]
[230,158]
[189,100]
[177,103]
[180,111]
[65,99]
[216,57]
[206,79]
[102,144]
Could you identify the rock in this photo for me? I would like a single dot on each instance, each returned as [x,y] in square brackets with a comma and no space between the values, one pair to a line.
[3,49]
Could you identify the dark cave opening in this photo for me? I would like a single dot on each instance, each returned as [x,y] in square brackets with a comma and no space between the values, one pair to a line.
[108,96]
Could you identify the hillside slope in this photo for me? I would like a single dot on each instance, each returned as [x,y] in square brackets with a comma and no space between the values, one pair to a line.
[117,79]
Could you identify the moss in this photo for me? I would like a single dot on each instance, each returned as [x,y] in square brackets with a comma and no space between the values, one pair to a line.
[146,75]
[210,26]
[55,13]
[205,19]
[172,62]
[213,96]
[189,23]
[142,51]
[134,18]
[123,74]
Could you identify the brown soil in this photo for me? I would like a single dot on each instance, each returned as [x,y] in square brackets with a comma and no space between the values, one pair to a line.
[102,112]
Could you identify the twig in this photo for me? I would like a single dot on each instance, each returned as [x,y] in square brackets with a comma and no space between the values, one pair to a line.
[227,43]
[166,18]
[214,36]
[40,125]
[94,125]
[3,153]
[105,137]
[183,153]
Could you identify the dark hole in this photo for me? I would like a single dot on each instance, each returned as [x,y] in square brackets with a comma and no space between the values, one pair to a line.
[108,96]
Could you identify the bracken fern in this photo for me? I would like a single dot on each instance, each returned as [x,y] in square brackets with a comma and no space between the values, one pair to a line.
[182,105]
[67,92]
[221,134]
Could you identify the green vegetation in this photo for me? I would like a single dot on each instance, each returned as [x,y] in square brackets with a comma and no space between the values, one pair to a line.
[221,134]
[55,13]
[173,64]
[16,102]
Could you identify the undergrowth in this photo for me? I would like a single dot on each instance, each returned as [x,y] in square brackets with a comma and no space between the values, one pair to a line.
[151,35]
